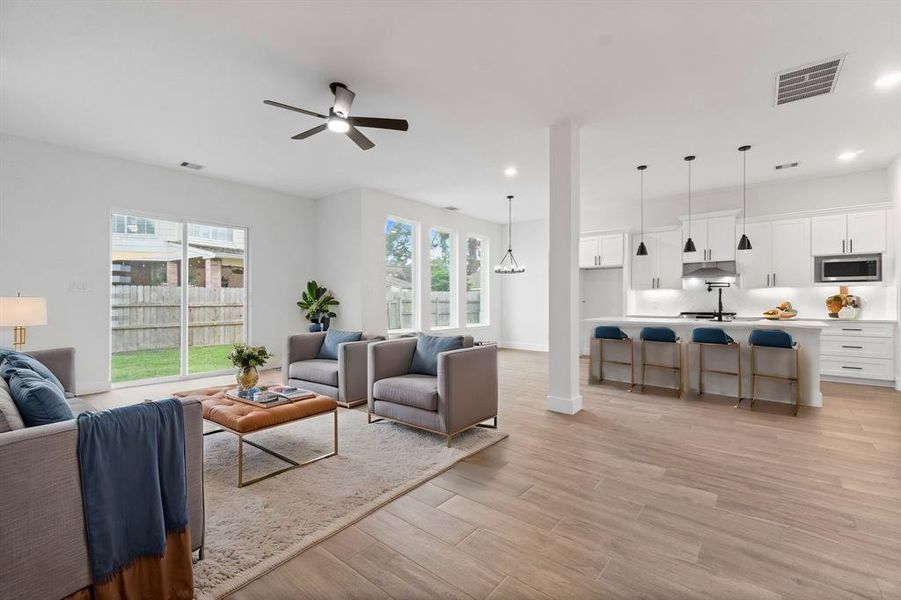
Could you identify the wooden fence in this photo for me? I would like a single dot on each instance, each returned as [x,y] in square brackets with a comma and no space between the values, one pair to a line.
[148,317]
[400,309]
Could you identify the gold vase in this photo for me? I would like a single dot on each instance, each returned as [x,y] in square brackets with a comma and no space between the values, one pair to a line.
[247,377]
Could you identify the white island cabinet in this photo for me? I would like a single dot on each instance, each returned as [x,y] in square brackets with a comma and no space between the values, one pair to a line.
[769,360]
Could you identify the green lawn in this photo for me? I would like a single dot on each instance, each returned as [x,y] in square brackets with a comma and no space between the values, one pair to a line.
[146,364]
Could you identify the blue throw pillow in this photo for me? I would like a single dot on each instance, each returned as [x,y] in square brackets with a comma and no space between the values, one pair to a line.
[428,347]
[333,337]
[39,401]
[17,360]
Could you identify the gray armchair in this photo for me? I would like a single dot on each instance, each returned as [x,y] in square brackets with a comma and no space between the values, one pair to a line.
[343,379]
[461,396]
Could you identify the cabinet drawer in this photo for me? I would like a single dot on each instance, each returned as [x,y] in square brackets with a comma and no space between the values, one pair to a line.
[863,368]
[852,328]
[864,347]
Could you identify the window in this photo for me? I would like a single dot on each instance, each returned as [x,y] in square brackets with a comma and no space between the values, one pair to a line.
[133,225]
[214,234]
[401,295]
[442,293]
[476,281]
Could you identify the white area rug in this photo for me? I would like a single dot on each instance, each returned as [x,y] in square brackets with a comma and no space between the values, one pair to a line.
[251,530]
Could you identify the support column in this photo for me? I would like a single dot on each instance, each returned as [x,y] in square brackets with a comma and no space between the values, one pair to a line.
[563,270]
[894,173]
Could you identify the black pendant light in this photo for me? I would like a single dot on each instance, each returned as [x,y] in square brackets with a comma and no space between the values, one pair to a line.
[689,243]
[508,264]
[642,249]
[744,243]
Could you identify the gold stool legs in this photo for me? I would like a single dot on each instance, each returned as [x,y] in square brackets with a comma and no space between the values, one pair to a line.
[596,357]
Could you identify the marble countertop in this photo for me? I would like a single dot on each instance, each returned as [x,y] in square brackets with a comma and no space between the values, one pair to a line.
[736,324]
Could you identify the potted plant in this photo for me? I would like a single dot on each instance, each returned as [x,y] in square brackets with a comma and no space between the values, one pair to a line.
[317,302]
[247,358]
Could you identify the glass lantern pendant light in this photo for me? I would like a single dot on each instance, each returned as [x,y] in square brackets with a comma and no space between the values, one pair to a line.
[744,243]
[689,243]
[508,264]
[642,249]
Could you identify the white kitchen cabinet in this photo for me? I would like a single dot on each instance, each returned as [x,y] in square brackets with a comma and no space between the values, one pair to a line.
[778,255]
[755,266]
[714,239]
[791,262]
[662,267]
[848,233]
[601,251]
[866,232]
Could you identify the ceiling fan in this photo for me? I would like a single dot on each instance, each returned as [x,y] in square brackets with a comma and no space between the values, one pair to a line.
[340,121]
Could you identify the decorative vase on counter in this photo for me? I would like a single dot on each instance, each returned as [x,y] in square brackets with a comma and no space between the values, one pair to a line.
[843,305]
[247,377]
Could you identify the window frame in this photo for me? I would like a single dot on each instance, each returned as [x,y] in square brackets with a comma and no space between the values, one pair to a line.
[485,300]
[415,274]
[453,280]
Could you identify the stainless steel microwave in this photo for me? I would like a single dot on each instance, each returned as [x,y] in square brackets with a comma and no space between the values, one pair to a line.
[864,267]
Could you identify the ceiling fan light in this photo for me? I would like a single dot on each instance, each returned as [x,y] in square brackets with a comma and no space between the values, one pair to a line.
[338,125]
[744,243]
[689,246]
[642,250]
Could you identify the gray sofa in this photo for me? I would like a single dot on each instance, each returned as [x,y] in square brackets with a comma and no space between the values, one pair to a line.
[43,549]
[463,395]
[343,379]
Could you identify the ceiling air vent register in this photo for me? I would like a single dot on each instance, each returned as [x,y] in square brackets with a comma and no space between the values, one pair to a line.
[808,81]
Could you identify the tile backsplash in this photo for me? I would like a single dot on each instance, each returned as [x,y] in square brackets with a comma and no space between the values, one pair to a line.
[878,302]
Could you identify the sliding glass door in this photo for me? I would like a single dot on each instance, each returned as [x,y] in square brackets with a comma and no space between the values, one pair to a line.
[178,299]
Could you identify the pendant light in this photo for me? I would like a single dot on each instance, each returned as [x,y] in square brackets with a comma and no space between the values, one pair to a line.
[510,267]
[642,249]
[744,243]
[689,243]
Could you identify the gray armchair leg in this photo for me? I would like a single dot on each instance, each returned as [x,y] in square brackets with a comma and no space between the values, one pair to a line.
[370,420]
[494,426]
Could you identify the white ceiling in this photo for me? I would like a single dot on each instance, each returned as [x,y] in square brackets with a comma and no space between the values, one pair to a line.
[163,82]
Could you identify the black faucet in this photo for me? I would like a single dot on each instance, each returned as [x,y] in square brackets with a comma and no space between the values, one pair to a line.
[720,285]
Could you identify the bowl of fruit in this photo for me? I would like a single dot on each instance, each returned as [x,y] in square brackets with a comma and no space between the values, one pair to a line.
[781,313]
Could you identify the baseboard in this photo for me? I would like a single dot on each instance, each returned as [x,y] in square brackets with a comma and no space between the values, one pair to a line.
[523,346]
[860,381]
[566,406]
[898,383]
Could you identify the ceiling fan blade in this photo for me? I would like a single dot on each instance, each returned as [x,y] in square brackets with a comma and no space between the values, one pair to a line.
[294,108]
[305,134]
[396,124]
[359,139]
[344,98]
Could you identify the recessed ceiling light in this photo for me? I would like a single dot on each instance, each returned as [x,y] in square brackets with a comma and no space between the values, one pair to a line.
[888,81]
[849,155]
[510,171]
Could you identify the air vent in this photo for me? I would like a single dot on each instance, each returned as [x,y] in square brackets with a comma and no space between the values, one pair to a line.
[451,208]
[808,81]
[190,165]
[790,165]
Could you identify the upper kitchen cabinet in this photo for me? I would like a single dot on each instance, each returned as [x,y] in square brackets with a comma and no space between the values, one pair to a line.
[755,266]
[601,251]
[661,268]
[778,255]
[714,239]
[848,233]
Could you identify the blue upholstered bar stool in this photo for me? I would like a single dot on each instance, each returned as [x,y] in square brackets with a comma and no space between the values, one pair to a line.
[604,334]
[775,338]
[661,335]
[716,337]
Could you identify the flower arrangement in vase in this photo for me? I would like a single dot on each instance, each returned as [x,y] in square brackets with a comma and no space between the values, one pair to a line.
[247,358]
[843,305]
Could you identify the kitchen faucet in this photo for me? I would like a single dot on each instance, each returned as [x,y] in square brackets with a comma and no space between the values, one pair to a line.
[719,285]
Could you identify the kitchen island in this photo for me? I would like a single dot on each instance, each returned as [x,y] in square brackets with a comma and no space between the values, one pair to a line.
[769,360]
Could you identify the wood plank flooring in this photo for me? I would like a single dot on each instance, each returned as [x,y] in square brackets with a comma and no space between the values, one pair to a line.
[638,496]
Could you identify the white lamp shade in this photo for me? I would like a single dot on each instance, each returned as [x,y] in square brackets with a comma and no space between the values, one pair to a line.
[21,311]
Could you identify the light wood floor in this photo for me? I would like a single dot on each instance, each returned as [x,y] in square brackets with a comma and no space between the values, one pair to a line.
[637,496]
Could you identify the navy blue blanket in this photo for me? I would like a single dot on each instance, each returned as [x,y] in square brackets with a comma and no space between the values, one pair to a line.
[132,463]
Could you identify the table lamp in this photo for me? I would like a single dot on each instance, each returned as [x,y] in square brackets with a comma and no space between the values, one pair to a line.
[19,312]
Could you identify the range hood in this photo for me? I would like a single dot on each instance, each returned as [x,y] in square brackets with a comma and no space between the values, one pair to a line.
[709,270]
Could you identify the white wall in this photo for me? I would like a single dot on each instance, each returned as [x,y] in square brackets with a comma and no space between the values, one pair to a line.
[351,251]
[55,204]
[525,312]
[601,292]
[774,198]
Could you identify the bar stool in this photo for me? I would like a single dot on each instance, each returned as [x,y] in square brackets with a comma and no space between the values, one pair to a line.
[775,338]
[661,335]
[605,334]
[714,336]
